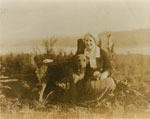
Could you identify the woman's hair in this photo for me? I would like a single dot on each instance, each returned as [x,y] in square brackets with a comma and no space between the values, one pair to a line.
[89,35]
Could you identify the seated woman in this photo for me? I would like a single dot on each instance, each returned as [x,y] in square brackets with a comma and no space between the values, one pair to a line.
[97,82]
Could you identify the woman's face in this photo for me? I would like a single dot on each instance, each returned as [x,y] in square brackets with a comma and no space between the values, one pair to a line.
[89,42]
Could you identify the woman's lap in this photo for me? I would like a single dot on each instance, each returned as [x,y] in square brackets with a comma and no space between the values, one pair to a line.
[98,88]
[99,85]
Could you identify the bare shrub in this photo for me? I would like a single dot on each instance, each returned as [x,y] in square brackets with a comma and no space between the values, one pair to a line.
[48,45]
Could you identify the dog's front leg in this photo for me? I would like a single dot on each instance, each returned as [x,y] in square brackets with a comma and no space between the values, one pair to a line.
[41,92]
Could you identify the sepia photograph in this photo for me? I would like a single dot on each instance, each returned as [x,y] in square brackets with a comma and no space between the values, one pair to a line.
[74,59]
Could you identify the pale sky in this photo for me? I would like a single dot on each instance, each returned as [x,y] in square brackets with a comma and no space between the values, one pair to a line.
[36,19]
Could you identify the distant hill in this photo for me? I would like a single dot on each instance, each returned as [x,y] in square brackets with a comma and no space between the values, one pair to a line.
[136,41]
[120,38]
[132,38]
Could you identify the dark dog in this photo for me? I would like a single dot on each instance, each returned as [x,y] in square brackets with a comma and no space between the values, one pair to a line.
[62,74]
[76,72]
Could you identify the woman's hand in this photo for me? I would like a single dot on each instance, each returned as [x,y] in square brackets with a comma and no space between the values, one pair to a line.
[96,74]
[100,76]
[104,75]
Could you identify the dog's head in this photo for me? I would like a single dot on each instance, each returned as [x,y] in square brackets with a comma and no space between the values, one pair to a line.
[81,61]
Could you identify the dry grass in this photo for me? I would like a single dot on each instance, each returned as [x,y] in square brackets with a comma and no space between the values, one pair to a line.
[23,105]
[61,111]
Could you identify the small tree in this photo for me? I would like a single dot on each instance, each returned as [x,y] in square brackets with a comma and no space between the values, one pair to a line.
[48,45]
[107,45]
[110,46]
